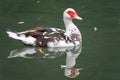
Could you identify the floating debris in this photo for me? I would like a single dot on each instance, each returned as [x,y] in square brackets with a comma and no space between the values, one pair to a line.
[21,22]
[38,1]
[95,28]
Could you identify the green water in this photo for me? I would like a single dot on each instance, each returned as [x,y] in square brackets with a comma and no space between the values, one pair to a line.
[100,54]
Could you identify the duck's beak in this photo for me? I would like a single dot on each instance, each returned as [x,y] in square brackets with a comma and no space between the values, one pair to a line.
[78,18]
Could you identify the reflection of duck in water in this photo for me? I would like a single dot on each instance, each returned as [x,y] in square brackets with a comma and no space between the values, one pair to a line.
[70,63]
[34,52]
[71,55]
[22,52]
[31,52]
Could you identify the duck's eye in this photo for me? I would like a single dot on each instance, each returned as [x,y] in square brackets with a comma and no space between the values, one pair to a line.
[71,14]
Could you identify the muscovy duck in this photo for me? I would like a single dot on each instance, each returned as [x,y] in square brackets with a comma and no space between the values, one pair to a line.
[52,37]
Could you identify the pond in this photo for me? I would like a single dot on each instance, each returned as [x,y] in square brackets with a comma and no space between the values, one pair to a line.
[96,59]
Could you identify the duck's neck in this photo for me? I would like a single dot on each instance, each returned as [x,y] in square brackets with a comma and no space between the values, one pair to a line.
[70,26]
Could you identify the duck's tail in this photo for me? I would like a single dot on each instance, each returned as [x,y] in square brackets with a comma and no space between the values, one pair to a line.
[28,40]
[13,34]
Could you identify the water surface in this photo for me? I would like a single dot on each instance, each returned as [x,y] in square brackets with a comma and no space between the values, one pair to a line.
[99,58]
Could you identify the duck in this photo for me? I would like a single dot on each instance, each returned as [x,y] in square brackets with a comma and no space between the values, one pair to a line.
[51,37]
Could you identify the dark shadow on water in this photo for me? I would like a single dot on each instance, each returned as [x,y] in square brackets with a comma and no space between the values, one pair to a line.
[71,55]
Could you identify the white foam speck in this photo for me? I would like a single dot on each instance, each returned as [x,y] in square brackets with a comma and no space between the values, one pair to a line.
[95,29]
[38,1]
[21,22]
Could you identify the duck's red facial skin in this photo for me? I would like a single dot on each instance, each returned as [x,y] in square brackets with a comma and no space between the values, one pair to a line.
[71,14]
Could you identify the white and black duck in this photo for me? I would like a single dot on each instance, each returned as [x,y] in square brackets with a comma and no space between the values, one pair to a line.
[51,37]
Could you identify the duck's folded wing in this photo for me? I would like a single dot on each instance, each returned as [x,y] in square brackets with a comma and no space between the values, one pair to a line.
[34,31]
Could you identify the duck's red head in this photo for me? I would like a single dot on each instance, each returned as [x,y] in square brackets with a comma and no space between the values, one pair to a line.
[72,14]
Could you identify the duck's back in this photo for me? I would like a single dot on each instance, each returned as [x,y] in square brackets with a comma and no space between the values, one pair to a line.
[49,35]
